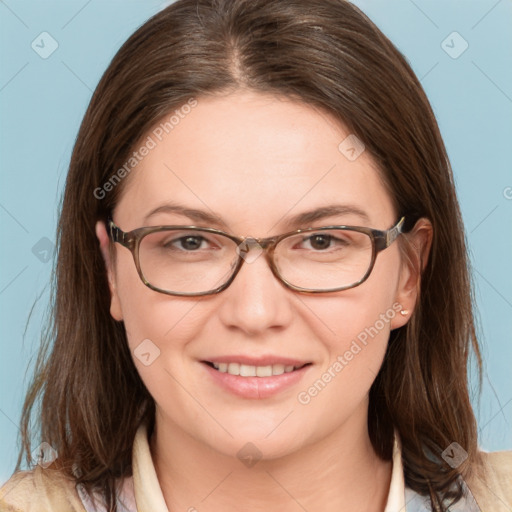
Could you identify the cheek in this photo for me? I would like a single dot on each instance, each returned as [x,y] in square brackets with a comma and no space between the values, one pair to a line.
[360,316]
[354,353]
[354,329]
[147,313]
[158,327]
[159,330]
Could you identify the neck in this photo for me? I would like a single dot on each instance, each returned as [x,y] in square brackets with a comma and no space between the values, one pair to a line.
[339,473]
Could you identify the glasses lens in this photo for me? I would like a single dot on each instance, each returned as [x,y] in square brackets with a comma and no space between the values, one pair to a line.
[186,261]
[325,259]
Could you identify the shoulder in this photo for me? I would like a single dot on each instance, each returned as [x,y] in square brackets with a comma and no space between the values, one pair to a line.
[40,490]
[491,484]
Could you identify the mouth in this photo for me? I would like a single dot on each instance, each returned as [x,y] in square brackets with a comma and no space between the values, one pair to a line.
[256,376]
[247,370]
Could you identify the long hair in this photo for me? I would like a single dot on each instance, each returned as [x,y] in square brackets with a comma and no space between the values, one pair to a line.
[86,395]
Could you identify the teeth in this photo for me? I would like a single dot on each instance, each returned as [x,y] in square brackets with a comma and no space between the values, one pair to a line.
[264,371]
[246,370]
[234,368]
[277,369]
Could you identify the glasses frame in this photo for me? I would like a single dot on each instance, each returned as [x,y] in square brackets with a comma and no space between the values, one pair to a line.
[131,240]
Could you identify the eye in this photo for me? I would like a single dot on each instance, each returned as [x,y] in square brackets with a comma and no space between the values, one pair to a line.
[186,243]
[322,241]
[319,242]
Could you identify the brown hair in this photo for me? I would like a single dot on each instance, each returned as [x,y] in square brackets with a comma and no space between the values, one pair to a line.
[325,53]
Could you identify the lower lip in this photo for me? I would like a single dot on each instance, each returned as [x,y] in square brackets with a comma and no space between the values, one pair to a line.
[256,387]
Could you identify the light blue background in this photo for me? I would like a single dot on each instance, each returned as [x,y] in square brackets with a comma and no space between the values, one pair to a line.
[42,102]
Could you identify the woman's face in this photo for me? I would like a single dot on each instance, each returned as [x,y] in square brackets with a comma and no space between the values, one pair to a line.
[255,162]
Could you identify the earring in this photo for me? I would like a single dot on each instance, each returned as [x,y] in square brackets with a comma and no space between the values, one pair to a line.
[404,312]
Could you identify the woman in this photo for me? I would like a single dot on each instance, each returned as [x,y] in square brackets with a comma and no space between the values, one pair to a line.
[262,296]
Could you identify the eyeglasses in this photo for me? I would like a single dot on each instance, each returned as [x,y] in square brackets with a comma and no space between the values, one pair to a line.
[194,261]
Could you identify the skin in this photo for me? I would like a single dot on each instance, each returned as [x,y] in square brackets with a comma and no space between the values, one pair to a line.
[256,160]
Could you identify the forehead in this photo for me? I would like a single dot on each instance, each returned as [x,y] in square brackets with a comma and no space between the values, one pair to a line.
[253,159]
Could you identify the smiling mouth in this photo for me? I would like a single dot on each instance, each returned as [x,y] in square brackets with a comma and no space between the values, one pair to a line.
[246,370]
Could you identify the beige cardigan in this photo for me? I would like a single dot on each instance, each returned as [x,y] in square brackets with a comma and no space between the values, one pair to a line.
[47,490]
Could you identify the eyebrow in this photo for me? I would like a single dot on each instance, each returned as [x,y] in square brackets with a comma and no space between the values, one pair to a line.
[296,221]
[323,212]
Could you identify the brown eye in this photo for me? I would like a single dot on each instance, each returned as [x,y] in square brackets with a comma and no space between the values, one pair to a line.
[323,241]
[188,243]
[320,242]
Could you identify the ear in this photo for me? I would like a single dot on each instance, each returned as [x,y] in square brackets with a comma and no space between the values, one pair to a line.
[104,240]
[414,260]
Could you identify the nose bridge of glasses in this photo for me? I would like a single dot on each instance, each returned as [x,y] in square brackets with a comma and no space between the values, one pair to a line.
[250,249]
[250,242]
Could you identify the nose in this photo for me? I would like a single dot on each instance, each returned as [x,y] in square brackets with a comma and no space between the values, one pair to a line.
[256,300]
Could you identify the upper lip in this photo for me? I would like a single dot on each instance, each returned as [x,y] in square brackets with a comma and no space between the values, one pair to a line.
[266,360]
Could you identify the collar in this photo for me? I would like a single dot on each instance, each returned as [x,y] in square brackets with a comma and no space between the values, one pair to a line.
[396,495]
